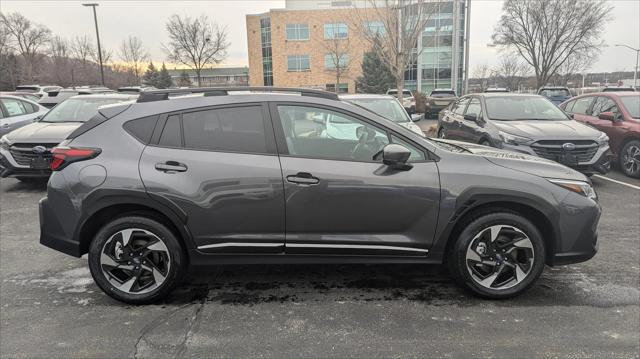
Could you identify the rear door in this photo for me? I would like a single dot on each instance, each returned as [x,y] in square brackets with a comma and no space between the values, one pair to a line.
[219,165]
[17,114]
[340,198]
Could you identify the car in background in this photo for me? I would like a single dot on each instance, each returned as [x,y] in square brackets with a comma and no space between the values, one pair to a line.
[496,89]
[528,124]
[52,98]
[437,100]
[16,112]
[385,106]
[26,152]
[618,115]
[618,89]
[27,95]
[408,100]
[555,94]
[135,89]
[37,90]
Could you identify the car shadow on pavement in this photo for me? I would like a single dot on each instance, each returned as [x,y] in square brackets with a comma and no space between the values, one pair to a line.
[24,187]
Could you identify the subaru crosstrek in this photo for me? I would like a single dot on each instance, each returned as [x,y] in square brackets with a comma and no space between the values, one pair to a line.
[213,177]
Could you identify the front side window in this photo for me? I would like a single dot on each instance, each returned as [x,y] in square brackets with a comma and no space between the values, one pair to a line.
[474,107]
[320,133]
[462,104]
[581,106]
[297,63]
[297,31]
[632,103]
[336,30]
[14,107]
[238,129]
[603,104]
[333,61]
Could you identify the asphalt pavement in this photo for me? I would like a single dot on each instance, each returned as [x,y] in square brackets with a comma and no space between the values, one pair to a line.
[50,307]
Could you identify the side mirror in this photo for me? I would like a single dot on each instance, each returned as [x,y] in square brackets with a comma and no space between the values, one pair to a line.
[396,156]
[417,117]
[607,115]
[471,117]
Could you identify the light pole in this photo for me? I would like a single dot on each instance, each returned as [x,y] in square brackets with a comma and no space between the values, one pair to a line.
[635,73]
[95,20]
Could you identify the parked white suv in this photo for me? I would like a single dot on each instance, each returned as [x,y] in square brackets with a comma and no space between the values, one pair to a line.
[37,89]
[408,101]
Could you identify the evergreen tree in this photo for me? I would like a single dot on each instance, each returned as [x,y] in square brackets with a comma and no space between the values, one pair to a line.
[151,76]
[184,80]
[164,79]
[376,76]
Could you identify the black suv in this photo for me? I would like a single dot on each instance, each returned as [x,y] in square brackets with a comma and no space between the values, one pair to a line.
[213,177]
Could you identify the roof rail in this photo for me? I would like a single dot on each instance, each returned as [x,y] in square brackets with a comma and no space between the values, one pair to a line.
[160,95]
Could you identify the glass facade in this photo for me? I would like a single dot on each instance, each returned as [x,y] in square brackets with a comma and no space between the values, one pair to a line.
[265,41]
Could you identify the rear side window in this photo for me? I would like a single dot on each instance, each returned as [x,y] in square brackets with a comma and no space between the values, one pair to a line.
[239,129]
[170,136]
[14,107]
[142,128]
[581,106]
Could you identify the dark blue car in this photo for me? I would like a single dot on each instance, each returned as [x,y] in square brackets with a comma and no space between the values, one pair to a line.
[555,94]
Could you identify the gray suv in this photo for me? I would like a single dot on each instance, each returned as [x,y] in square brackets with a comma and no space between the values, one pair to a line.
[152,187]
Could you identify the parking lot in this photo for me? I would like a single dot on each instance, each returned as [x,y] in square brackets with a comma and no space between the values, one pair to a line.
[51,307]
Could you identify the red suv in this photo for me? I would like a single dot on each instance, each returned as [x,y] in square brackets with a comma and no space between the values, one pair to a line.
[618,115]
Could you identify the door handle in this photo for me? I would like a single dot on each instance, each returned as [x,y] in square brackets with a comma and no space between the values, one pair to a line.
[171,167]
[303,178]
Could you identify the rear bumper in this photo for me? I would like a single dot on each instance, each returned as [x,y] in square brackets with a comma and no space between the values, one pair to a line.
[52,234]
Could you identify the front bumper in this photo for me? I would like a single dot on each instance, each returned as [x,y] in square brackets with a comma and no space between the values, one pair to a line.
[10,168]
[599,163]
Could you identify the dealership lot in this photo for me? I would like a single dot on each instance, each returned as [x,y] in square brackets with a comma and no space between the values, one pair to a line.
[51,308]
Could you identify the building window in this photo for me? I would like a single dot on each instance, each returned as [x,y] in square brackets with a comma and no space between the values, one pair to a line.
[297,63]
[265,36]
[333,61]
[374,27]
[297,32]
[342,88]
[336,30]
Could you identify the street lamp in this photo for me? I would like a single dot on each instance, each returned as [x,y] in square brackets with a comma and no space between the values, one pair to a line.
[95,20]
[635,73]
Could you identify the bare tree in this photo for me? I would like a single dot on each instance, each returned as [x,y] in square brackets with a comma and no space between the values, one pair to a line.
[511,71]
[195,42]
[482,73]
[60,54]
[82,48]
[134,54]
[338,51]
[27,37]
[106,55]
[576,64]
[547,33]
[400,24]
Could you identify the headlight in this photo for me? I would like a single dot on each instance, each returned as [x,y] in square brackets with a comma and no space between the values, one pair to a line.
[4,142]
[513,139]
[602,139]
[579,187]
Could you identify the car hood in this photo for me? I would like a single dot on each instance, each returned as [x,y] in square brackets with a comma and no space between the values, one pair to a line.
[541,129]
[522,162]
[43,132]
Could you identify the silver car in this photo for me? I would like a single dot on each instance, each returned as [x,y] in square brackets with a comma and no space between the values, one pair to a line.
[16,112]
[386,106]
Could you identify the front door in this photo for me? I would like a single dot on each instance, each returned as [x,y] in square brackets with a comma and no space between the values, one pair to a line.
[340,198]
[219,165]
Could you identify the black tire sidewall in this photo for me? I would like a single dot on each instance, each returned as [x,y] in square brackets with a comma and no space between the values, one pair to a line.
[623,150]
[457,260]
[176,253]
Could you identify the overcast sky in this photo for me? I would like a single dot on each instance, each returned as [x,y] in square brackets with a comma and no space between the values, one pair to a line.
[146,19]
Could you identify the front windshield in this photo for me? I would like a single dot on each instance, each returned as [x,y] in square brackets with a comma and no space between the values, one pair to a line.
[77,109]
[387,108]
[515,108]
[555,93]
[632,103]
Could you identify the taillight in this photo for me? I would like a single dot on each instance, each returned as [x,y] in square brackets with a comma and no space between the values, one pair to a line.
[63,156]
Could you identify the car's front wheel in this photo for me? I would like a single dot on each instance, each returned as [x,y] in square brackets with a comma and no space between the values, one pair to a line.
[630,158]
[136,260]
[442,133]
[497,255]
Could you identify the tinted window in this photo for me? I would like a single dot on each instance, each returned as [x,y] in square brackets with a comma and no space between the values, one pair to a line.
[462,104]
[142,128]
[14,107]
[568,106]
[581,106]
[320,133]
[555,92]
[474,107]
[239,129]
[632,103]
[603,104]
[171,136]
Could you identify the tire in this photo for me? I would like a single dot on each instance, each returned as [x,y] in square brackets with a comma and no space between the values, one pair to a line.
[629,159]
[529,255]
[158,271]
[485,142]
[442,133]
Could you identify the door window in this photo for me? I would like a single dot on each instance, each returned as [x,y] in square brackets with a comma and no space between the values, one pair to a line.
[14,107]
[171,135]
[474,107]
[237,129]
[416,154]
[603,104]
[581,106]
[321,133]
[462,104]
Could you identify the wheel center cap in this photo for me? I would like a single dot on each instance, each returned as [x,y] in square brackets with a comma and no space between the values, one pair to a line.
[136,260]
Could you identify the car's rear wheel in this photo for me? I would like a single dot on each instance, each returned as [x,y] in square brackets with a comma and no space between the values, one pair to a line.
[136,260]
[485,142]
[497,255]
[630,158]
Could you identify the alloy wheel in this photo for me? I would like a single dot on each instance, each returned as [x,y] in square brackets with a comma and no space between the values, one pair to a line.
[499,257]
[631,159]
[135,261]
